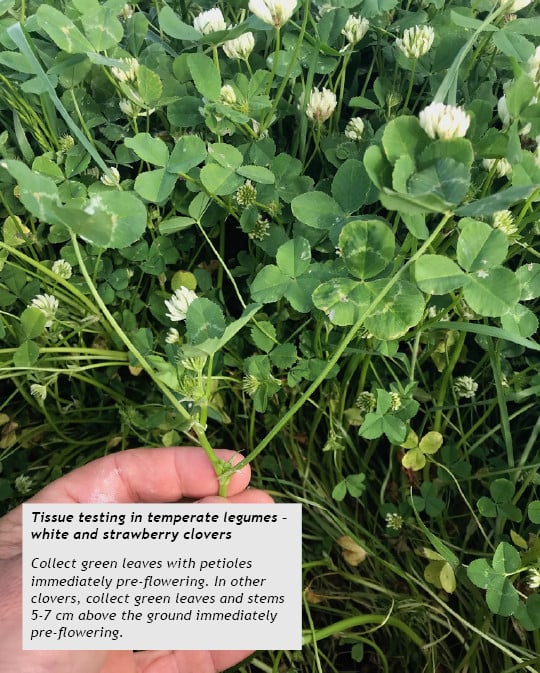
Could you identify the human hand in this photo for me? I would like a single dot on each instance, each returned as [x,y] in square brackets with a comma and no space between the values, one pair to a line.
[134,476]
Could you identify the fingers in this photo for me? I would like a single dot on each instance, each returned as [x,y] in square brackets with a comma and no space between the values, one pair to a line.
[144,475]
[187,661]
[251,496]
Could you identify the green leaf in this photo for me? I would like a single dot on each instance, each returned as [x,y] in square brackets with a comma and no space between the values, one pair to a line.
[487,507]
[294,257]
[528,613]
[367,247]
[351,185]
[264,335]
[171,24]
[284,356]
[480,246]
[225,155]
[26,354]
[502,490]
[506,559]
[513,45]
[403,135]
[437,274]
[33,322]
[498,201]
[529,280]
[339,491]
[149,85]
[38,193]
[269,284]
[155,186]
[204,320]
[501,597]
[102,27]
[414,460]
[339,299]
[446,179]
[492,293]
[62,30]
[317,210]
[149,149]
[110,220]
[257,174]
[378,167]
[206,77]
[189,151]
[431,442]
[174,224]
[481,573]
[401,309]
[533,511]
[219,180]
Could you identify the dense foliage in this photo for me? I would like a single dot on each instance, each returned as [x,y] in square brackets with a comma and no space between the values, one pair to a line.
[307,231]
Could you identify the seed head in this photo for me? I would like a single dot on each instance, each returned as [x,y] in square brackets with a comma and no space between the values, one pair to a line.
[465,386]
[246,195]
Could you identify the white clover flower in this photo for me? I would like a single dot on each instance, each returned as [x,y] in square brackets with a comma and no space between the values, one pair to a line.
[444,121]
[355,28]
[394,521]
[502,166]
[179,303]
[395,403]
[355,128]
[534,578]
[513,6]
[465,386]
[321,105]
[173,336]
[273,12]
[38,391]
[210,21]
[62,269]
[416,41]
[112,180]
[127,74]
[366,401]
[23,484]
[239,48]
[534,66]
[47,304]
[502,110]
[504,220]
[128,108]
[227,95]
[127,11]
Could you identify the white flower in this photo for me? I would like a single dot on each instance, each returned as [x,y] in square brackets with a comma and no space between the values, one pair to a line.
[502,166]
[127,73]
[465,386]
[534,578]
[515,5]
[210,21]
[504,220]
[241,47]
[112,180]
[444,121]
[394,521]
[354,128]
[62,269]
[355,28]
[227,95]
[502,109]
[38,391]
[534,66]
[47,304]
[321,105]
[179,302]
[127,11]
[173,336]
[416,41]
[273,12]
[23,484]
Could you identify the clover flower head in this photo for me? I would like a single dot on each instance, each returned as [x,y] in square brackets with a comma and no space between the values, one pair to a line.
[321,105]
[533,581]
[355,28]
[502,167]
[250,384]
[239,48]
[395,401]
[127,11]
[227,95]
[366,401]
[394,521]
[112,180]
[173,336]
[260,230]
[128,108]
[416,41]
[534,65]
[179,303]
[504,220]
[246,195]
[274,12]
[65,142]
[210,21]
[465,386]
[23,484]
[128,71]
[355,128]
[444,121]
[38,391]
[48,305]
[62,269]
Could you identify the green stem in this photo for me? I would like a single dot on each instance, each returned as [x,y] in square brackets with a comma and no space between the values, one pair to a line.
[411,84]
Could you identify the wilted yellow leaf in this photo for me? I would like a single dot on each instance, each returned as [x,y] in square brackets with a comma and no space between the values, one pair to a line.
[352,552]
